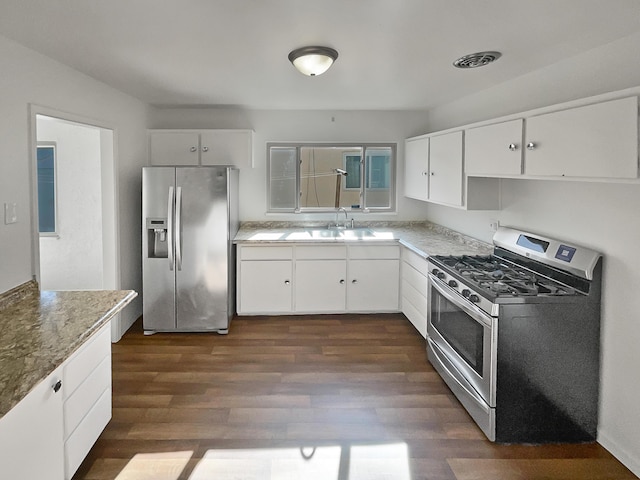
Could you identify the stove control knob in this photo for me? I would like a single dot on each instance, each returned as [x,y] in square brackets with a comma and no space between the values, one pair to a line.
[453,283]
[466,292]
[474,298]
[441,275]
[435,271]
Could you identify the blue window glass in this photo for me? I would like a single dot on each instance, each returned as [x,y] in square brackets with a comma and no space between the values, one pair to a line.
[352,167]
[46,160]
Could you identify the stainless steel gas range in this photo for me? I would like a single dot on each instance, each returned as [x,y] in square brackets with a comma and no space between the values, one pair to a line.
[516,336]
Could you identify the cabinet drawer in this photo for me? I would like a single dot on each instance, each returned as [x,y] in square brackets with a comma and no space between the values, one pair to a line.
[83,362]
[86,395]
[374,251]
[308,252]
[418,320]
[266,253]
[414,278]
[80,442]
[415,260]
[415,296]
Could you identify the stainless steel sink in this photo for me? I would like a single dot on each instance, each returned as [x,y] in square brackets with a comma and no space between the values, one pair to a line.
[339,232]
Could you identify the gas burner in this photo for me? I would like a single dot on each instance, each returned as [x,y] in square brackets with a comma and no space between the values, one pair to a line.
[498,278]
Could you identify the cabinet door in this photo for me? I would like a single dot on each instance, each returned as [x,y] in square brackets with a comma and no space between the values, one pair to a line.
[31,435]
[598,140]
[373,285]
[494,149]
[174,148]
[416,164]
[320,285]
[265,287]
[445,168]
[227,147]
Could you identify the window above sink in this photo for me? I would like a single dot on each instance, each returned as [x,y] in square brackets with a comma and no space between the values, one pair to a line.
[305,177]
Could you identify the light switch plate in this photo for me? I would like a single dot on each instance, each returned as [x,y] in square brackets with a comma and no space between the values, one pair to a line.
[10,213]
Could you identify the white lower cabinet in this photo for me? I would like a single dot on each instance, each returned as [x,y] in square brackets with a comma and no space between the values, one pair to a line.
[373,285]
[336,278]
[87,397]
[49,432]
[320,285]
[414,302]
[31,444]
[265,287]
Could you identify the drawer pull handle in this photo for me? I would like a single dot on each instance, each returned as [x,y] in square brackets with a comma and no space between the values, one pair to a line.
[342,281]
[513,147]
[354,281]
[287,282]
[57,386]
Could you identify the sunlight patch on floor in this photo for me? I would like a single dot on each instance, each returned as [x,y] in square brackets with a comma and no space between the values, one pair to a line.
[155,466]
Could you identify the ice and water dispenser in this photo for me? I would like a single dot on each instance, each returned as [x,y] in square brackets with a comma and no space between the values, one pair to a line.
[157,236]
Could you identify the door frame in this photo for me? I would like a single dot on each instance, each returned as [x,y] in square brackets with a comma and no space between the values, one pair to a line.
[109,181]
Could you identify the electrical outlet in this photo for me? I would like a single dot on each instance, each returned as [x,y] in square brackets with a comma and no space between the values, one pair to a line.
[494,224]
[10,213]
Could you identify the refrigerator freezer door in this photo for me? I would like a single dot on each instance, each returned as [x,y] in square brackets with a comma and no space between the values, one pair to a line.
[203,239]
[158,278]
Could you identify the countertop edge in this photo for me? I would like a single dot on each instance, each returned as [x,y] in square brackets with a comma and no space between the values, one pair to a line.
[43,367]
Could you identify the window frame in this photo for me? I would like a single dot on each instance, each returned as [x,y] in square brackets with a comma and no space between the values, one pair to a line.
[363,185]
[54,146]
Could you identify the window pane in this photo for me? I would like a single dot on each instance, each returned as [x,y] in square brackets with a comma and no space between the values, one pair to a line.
[378,177]
[322,185]
[46,189]
[282,180]
[352,167]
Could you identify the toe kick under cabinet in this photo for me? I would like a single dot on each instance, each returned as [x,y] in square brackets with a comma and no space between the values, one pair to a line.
[317,278]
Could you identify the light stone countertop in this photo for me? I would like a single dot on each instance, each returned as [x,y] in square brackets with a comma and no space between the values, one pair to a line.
[40,330]
[424,238]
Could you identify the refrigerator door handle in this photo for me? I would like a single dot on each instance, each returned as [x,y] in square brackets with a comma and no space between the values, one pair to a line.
[179,228]
[170,227]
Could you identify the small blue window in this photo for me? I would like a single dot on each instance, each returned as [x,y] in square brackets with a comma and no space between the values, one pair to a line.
[46,163]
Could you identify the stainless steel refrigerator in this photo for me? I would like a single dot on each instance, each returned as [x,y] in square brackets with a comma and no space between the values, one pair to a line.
[189,219]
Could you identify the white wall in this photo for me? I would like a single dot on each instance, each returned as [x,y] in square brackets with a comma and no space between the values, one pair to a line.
[301,126]
[604,217]
[30,78]
[72,259]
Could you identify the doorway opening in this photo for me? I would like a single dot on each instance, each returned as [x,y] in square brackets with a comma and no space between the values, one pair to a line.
[75,225]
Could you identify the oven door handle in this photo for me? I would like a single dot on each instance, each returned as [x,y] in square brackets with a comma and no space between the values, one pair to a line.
[461,302]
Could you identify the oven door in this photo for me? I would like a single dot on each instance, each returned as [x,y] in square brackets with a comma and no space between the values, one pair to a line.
[466,337]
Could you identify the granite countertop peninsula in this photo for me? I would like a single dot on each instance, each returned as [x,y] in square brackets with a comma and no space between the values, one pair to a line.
[424,238]
[41,329]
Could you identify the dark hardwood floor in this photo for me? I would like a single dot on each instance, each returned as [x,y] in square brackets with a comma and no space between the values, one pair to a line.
[309,397]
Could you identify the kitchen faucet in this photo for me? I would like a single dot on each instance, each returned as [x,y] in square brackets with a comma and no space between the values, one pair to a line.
[346,217]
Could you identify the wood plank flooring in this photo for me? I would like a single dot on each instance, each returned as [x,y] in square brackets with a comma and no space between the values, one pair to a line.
[342,397]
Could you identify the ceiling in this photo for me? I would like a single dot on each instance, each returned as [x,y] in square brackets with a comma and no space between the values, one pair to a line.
[394,54]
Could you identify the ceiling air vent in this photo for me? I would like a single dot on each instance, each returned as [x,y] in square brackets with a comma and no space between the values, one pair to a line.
[479,59]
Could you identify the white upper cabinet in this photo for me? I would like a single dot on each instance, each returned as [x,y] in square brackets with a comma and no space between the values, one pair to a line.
[445,168]
[174,148]
[494,149]
[434,173]
[201,147]
[416,168]
[227,147]
[594,141]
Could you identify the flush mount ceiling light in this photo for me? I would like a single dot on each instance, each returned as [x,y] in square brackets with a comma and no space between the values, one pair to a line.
[313,61]
[479,59]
